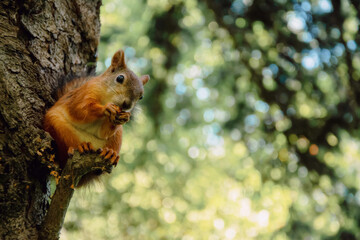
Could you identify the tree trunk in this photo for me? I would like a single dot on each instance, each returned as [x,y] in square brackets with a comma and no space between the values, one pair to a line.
[40,41]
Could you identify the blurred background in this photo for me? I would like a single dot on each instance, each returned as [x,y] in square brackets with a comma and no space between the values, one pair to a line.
[249,126]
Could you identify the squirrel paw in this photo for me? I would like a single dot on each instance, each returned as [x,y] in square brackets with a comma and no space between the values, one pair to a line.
[116,116]
[83,147]
[109,154]
[122,118]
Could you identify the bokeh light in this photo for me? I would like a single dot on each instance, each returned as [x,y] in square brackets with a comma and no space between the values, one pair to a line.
[249,127]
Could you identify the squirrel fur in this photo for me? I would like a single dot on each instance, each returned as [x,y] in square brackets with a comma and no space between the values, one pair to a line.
[91,111]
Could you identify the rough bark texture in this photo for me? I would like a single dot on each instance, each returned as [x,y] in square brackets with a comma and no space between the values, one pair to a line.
[40,41]
[76,167]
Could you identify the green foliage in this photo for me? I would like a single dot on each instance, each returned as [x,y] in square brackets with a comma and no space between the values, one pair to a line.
[249,128]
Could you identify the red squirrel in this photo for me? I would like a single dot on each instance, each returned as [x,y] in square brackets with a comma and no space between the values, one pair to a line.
[90,113]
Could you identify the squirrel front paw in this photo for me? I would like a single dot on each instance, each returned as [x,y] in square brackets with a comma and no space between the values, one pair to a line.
[116,116]
[122,118]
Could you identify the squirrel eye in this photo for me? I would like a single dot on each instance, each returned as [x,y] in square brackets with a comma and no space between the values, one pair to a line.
[120,78]
[141,97]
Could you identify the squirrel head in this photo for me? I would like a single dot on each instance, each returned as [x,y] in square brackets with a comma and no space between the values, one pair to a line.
[124,88]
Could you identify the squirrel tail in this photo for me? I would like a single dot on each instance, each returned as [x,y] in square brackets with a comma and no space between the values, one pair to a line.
[68,84]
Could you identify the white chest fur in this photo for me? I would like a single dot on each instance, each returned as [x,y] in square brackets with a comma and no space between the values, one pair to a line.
[88,132]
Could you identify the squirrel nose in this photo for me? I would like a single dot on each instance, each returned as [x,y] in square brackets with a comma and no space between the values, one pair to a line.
[126,105]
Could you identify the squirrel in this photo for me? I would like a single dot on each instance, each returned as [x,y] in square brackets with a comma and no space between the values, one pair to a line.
[91,111]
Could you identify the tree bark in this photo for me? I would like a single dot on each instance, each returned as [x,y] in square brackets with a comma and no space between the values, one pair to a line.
[40,41]
[76,167]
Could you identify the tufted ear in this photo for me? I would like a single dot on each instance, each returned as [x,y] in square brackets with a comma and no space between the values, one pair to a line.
[144,79]
[118,61]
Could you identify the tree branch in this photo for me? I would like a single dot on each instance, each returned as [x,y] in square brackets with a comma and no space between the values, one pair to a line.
[76,167]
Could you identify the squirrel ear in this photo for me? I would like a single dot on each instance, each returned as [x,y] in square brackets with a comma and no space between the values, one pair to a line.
[144,79]
[118,60]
